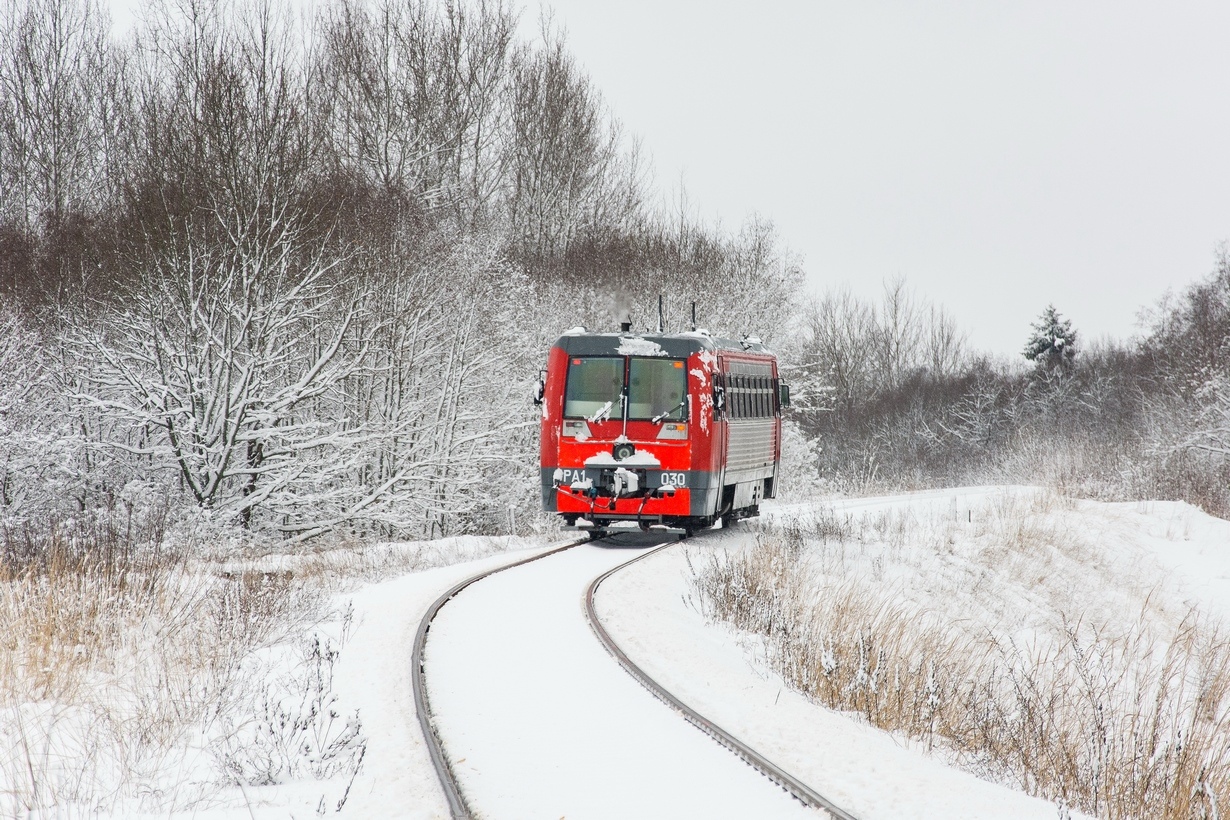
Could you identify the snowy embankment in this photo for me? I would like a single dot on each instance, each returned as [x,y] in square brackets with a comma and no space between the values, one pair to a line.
[649,609]
[269,687]
[1074,648]
[930,544]
[539,721]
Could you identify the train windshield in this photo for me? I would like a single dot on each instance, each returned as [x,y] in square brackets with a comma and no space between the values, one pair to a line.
[593,388]
[657,388]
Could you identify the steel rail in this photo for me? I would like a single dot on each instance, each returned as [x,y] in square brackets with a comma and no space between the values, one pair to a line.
[795,787]
[457,805]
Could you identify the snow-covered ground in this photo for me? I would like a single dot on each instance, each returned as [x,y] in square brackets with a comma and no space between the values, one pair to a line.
[542,723]
[539,721]
[872,774]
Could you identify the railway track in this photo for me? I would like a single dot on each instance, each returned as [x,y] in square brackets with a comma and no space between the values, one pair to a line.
[458,806]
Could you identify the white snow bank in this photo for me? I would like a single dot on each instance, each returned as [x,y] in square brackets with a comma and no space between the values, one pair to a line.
[868,772]
[372,675]
[1191,546]
[397,778]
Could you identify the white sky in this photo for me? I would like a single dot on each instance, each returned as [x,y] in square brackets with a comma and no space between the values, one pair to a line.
[999,156]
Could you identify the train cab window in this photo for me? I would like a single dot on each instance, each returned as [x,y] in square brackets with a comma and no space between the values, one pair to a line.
[593,387]
[657,387]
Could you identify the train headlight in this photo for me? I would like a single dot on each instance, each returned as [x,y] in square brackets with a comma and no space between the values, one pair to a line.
[623,450]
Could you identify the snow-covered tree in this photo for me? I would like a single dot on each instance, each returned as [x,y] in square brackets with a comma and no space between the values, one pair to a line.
[22,381]
[1052,344]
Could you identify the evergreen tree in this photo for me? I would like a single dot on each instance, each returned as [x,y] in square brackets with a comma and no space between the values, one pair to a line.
[1053,341]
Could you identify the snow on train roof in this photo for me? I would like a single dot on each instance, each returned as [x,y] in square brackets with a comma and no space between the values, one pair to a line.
[580,341]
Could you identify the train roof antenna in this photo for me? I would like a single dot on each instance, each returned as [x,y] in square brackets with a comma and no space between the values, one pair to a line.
[661,318]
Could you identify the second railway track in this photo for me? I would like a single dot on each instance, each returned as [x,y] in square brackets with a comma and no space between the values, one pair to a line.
[446,768]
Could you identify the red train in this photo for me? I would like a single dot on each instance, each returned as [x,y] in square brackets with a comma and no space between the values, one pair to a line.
[677,430]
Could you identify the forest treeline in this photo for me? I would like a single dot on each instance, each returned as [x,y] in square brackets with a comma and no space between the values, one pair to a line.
[296,276]
[299,274]
[892,398]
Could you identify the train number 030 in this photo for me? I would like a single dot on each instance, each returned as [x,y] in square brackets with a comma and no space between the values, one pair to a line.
[674,479]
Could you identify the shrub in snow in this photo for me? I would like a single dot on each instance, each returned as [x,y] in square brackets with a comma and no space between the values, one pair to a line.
[297,731]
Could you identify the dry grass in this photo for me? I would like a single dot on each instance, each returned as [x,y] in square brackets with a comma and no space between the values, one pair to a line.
[1121,721]
[119,660]
[138,678]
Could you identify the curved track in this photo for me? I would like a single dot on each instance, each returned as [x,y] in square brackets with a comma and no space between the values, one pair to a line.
[799,790]
[458,806]
[422,705]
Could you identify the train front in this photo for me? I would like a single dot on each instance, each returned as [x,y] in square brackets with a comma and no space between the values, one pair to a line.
[626,425]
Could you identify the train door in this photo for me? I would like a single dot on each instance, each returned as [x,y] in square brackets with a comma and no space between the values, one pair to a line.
[721,431]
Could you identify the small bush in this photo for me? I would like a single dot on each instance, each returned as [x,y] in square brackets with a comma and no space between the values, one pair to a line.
[297,731]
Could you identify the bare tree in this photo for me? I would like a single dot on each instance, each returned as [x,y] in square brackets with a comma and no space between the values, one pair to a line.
[945,344]
[414,97]
[24,394]
[899,333]
[219,363]
[566,170]
[839,330]
[54,69]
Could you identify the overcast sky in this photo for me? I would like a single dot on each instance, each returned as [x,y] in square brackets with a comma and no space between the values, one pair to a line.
[998,156]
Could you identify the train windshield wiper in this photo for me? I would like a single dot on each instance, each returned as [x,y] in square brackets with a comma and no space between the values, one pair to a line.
[666,413]
[604,412]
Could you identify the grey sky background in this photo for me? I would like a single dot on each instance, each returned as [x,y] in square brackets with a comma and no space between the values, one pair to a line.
[998,156]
